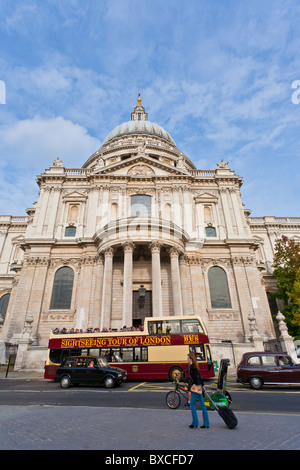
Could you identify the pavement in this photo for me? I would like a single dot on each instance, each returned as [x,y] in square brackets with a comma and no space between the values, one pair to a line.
[137,429]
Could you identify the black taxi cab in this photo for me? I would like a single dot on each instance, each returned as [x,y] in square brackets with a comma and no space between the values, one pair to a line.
[79,370]
[270,368]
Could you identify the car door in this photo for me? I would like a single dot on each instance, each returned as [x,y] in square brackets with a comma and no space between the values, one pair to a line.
[252,368]
[79,371]
[288,371]
[271,370]
[94,372]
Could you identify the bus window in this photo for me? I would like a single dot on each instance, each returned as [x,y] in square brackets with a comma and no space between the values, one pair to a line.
[127,354]
[191,326]
[164,327]
[155,327]
[208,356]
[198,351]
[140,354]
[56,356]
[171,327]
[105,352]
[94,352]
[115,355]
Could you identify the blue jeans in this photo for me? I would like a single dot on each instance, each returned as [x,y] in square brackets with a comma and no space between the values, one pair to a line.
[194,398]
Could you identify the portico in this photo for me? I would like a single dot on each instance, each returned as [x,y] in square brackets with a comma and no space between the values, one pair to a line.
[140,264]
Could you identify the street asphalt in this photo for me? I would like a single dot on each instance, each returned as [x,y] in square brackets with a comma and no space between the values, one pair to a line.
[135,429]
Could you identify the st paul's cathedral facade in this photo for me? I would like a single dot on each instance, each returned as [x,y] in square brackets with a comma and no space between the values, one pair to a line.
[137,215]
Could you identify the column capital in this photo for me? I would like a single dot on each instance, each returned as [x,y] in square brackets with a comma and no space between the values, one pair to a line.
[155,247]
[174,252]
[183,259]
[128,247]
[108,252]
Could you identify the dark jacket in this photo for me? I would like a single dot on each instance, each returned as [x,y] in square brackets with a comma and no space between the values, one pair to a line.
[195,375]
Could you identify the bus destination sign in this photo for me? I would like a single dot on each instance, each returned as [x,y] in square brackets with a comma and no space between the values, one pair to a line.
[125,341]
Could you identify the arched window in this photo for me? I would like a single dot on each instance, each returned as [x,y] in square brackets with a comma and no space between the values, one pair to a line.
[218,286]
[70,231]
[140,206]
[62,289]
[3,307]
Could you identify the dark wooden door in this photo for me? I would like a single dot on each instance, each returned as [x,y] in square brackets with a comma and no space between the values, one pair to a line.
[141,308]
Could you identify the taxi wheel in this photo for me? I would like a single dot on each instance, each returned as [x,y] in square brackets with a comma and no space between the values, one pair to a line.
[109,382]
[65,382]
[256,383]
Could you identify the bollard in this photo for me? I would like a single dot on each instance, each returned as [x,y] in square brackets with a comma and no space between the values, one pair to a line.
[7,368]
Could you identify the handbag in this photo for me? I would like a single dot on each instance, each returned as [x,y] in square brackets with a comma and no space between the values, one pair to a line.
[196,389]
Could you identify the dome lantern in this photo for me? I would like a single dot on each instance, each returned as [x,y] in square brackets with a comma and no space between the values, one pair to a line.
[139,113]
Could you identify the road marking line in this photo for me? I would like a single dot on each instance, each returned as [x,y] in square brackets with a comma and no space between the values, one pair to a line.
[137,386]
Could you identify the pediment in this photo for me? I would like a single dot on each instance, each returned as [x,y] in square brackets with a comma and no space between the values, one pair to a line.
[18,239]
[140,166]
[77,195]
[206,197]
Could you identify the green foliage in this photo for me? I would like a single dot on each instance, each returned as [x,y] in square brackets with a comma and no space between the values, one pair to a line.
[287,273]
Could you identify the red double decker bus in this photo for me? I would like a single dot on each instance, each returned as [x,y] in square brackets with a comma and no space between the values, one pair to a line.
[158,352]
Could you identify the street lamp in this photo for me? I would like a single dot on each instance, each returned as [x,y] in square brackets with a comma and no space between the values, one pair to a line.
[142,292]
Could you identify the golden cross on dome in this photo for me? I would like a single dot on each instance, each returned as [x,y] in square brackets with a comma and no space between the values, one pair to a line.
[139,99]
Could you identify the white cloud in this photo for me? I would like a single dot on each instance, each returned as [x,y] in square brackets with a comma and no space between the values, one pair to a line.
[41,140]
[30,146]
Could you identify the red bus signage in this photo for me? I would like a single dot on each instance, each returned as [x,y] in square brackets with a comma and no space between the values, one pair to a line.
[123,341]
[115,342]
[191,339]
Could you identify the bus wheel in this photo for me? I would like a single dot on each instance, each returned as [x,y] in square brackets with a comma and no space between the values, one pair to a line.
[175,373]
[65,382]
[109,382]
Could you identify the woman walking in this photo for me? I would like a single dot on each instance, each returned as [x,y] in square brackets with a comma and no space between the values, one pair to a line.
[197,380]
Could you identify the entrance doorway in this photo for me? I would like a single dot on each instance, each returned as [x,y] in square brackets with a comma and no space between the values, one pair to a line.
[141,308]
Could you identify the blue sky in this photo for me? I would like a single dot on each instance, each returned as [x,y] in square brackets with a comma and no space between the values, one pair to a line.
[217,75]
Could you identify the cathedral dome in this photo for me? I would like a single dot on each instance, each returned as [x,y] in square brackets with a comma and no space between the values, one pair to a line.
[139,124]
[139,127]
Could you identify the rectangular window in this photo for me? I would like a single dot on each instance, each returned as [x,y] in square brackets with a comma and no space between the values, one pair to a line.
[70,232]
[140,206]
[210,232]
[191,326]
[253,361]
[174,327]
[140,354]
[198,351]
[127,354]
[269,361]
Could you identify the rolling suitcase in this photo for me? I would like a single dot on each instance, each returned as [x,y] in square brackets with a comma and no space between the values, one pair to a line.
[226,413]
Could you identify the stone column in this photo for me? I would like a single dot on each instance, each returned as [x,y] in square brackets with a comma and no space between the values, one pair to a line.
[185,285]
[156,280]
[107,289]
[99,272]
[176,284]
[128,248]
